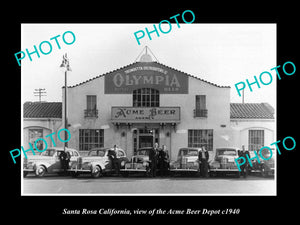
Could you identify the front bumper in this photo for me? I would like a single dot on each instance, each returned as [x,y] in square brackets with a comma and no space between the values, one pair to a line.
[80,170]
[223,170]
[183,170]
[133,170]
[28,170]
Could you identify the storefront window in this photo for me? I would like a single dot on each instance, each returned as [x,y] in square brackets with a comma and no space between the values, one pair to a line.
[256,139]
[199,138]
[91,138]
[145,97]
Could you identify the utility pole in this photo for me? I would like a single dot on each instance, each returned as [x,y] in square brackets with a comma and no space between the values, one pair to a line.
[39,92]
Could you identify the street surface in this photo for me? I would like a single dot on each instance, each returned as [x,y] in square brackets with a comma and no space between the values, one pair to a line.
[61,185]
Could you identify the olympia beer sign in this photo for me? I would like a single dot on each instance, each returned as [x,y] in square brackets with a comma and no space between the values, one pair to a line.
[146,75]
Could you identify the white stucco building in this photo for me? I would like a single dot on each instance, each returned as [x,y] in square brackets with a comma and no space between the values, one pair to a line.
[147,102]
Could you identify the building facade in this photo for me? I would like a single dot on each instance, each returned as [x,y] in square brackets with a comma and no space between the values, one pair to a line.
[147,102]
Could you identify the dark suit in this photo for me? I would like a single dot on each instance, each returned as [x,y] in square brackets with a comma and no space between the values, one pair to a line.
[162,163]
[244,167]
[153,161]
[114,160]
[64,160]
[203,163]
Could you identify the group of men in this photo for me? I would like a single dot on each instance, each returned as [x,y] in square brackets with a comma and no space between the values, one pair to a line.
[159,159]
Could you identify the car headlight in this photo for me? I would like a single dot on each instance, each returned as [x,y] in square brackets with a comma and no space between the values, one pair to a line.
[123,163]
[145,164]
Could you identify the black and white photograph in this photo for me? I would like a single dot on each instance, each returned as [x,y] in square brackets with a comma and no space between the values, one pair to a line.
[172,115]
[130,114]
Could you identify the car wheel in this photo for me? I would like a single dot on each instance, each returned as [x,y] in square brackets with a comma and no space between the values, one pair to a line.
[25,173]
[96,172]
[40,171]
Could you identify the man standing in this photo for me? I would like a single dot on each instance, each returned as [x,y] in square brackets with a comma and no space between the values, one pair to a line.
[244,167]
[166,160]
[153,159]
[64,161]
[114,160]
[203,157]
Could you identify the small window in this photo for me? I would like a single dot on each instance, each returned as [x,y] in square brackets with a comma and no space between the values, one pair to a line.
[256,139]
[91,106]
[200,106]
[145,97]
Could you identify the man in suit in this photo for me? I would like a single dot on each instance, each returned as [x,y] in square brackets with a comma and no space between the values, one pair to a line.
[112,154]
[245,166]
[203,157]
[153,159]
[64,161]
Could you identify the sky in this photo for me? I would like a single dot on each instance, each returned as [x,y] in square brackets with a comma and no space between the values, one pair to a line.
[224,54]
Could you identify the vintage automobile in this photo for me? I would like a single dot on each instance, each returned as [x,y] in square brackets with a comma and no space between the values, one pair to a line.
[47,161]
[187,161]
[139,163]
[98,162]
[224,162]
[265,167]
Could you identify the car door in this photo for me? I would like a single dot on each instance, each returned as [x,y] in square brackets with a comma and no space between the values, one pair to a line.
[107,160]
[55,163]
[74,157]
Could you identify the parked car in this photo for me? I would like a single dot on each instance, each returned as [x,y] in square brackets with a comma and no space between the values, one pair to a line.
[98,162]
[139,163]
[47,161]
[224,162]
[265,167]
[187,161]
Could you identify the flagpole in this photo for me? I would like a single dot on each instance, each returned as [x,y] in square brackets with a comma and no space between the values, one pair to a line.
[66,120]
[65,64]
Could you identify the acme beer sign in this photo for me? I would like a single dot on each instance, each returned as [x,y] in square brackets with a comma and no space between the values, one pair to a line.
[148,75]
[145,114]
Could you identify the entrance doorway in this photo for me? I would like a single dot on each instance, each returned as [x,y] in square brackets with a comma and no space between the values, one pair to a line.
[145,137]
[145,141]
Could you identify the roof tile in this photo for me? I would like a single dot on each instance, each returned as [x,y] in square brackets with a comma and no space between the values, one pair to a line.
[42,110]
[251,111]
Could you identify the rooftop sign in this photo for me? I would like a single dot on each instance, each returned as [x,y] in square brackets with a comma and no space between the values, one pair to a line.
[166,81]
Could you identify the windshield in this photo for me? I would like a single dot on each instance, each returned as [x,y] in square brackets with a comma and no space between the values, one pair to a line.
[226,152]
[188,152]
[48,152]
[143,152]
[98,152]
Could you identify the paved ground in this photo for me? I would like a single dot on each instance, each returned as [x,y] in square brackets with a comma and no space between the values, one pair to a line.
[140,185]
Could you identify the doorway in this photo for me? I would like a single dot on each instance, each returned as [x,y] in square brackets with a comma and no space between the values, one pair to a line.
[145,141]
[145,137]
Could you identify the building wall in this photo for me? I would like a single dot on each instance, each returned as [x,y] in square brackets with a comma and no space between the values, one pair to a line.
[217,103]
[241,127]
[48,126]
